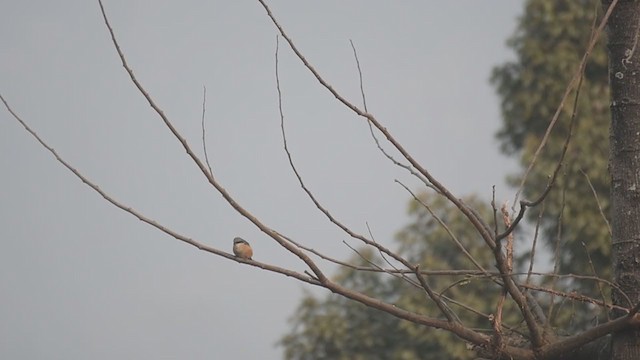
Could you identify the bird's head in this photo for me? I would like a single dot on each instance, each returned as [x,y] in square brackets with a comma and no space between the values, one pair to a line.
[239,240]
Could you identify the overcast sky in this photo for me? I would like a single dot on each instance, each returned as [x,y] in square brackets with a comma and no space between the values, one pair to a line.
[80,279]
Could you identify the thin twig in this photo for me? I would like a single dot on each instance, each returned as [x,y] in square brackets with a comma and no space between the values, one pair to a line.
[395,273]
[474,311]
[355,55]
[535,242]
[595,196]
[595,273]
[556,256]
[495,211]
[312,197]
[448,313]
[385,259]
[575,296]
[446,228]
[585,277]
[372,132]
[496,323]
[343,263]
[204,140]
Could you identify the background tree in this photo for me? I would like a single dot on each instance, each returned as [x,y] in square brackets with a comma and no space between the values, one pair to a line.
[547,44]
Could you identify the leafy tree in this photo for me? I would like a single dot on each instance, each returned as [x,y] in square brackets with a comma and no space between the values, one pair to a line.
[548,44]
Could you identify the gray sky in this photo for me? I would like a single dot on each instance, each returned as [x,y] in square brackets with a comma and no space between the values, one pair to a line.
[80,279]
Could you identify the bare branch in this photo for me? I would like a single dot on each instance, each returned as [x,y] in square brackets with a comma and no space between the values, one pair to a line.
[496,322]
[595,273]
[264,228]
[575,80]
[395,272]
[504,263]
[509,246]
[150,221]
[373,135]
[395,269]
[575,296]
[355,56]
[336,261]
[204,140]
[556,253]
[452,236]
[450,315]
[495,211]
[566,344]
[595,196]
[477,222]
[535,242]
[312,197]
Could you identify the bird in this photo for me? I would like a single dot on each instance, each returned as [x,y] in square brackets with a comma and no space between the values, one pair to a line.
[242,249]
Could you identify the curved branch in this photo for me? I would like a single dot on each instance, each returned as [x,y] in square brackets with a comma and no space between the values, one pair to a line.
[383,250]
[264,228]
[204,132]
[373,135]
[150,221]
[477,223]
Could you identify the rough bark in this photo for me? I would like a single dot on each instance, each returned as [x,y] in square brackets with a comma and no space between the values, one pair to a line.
[624,165]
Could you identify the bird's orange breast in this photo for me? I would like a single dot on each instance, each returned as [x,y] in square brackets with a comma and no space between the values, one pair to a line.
[243,250]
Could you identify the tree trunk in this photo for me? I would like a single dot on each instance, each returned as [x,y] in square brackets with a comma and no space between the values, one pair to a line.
[624,165]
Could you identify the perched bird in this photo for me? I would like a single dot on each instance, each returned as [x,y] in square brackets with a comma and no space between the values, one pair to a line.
[242,249]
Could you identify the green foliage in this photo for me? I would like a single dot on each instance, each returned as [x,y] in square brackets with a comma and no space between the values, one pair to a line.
[549,44]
